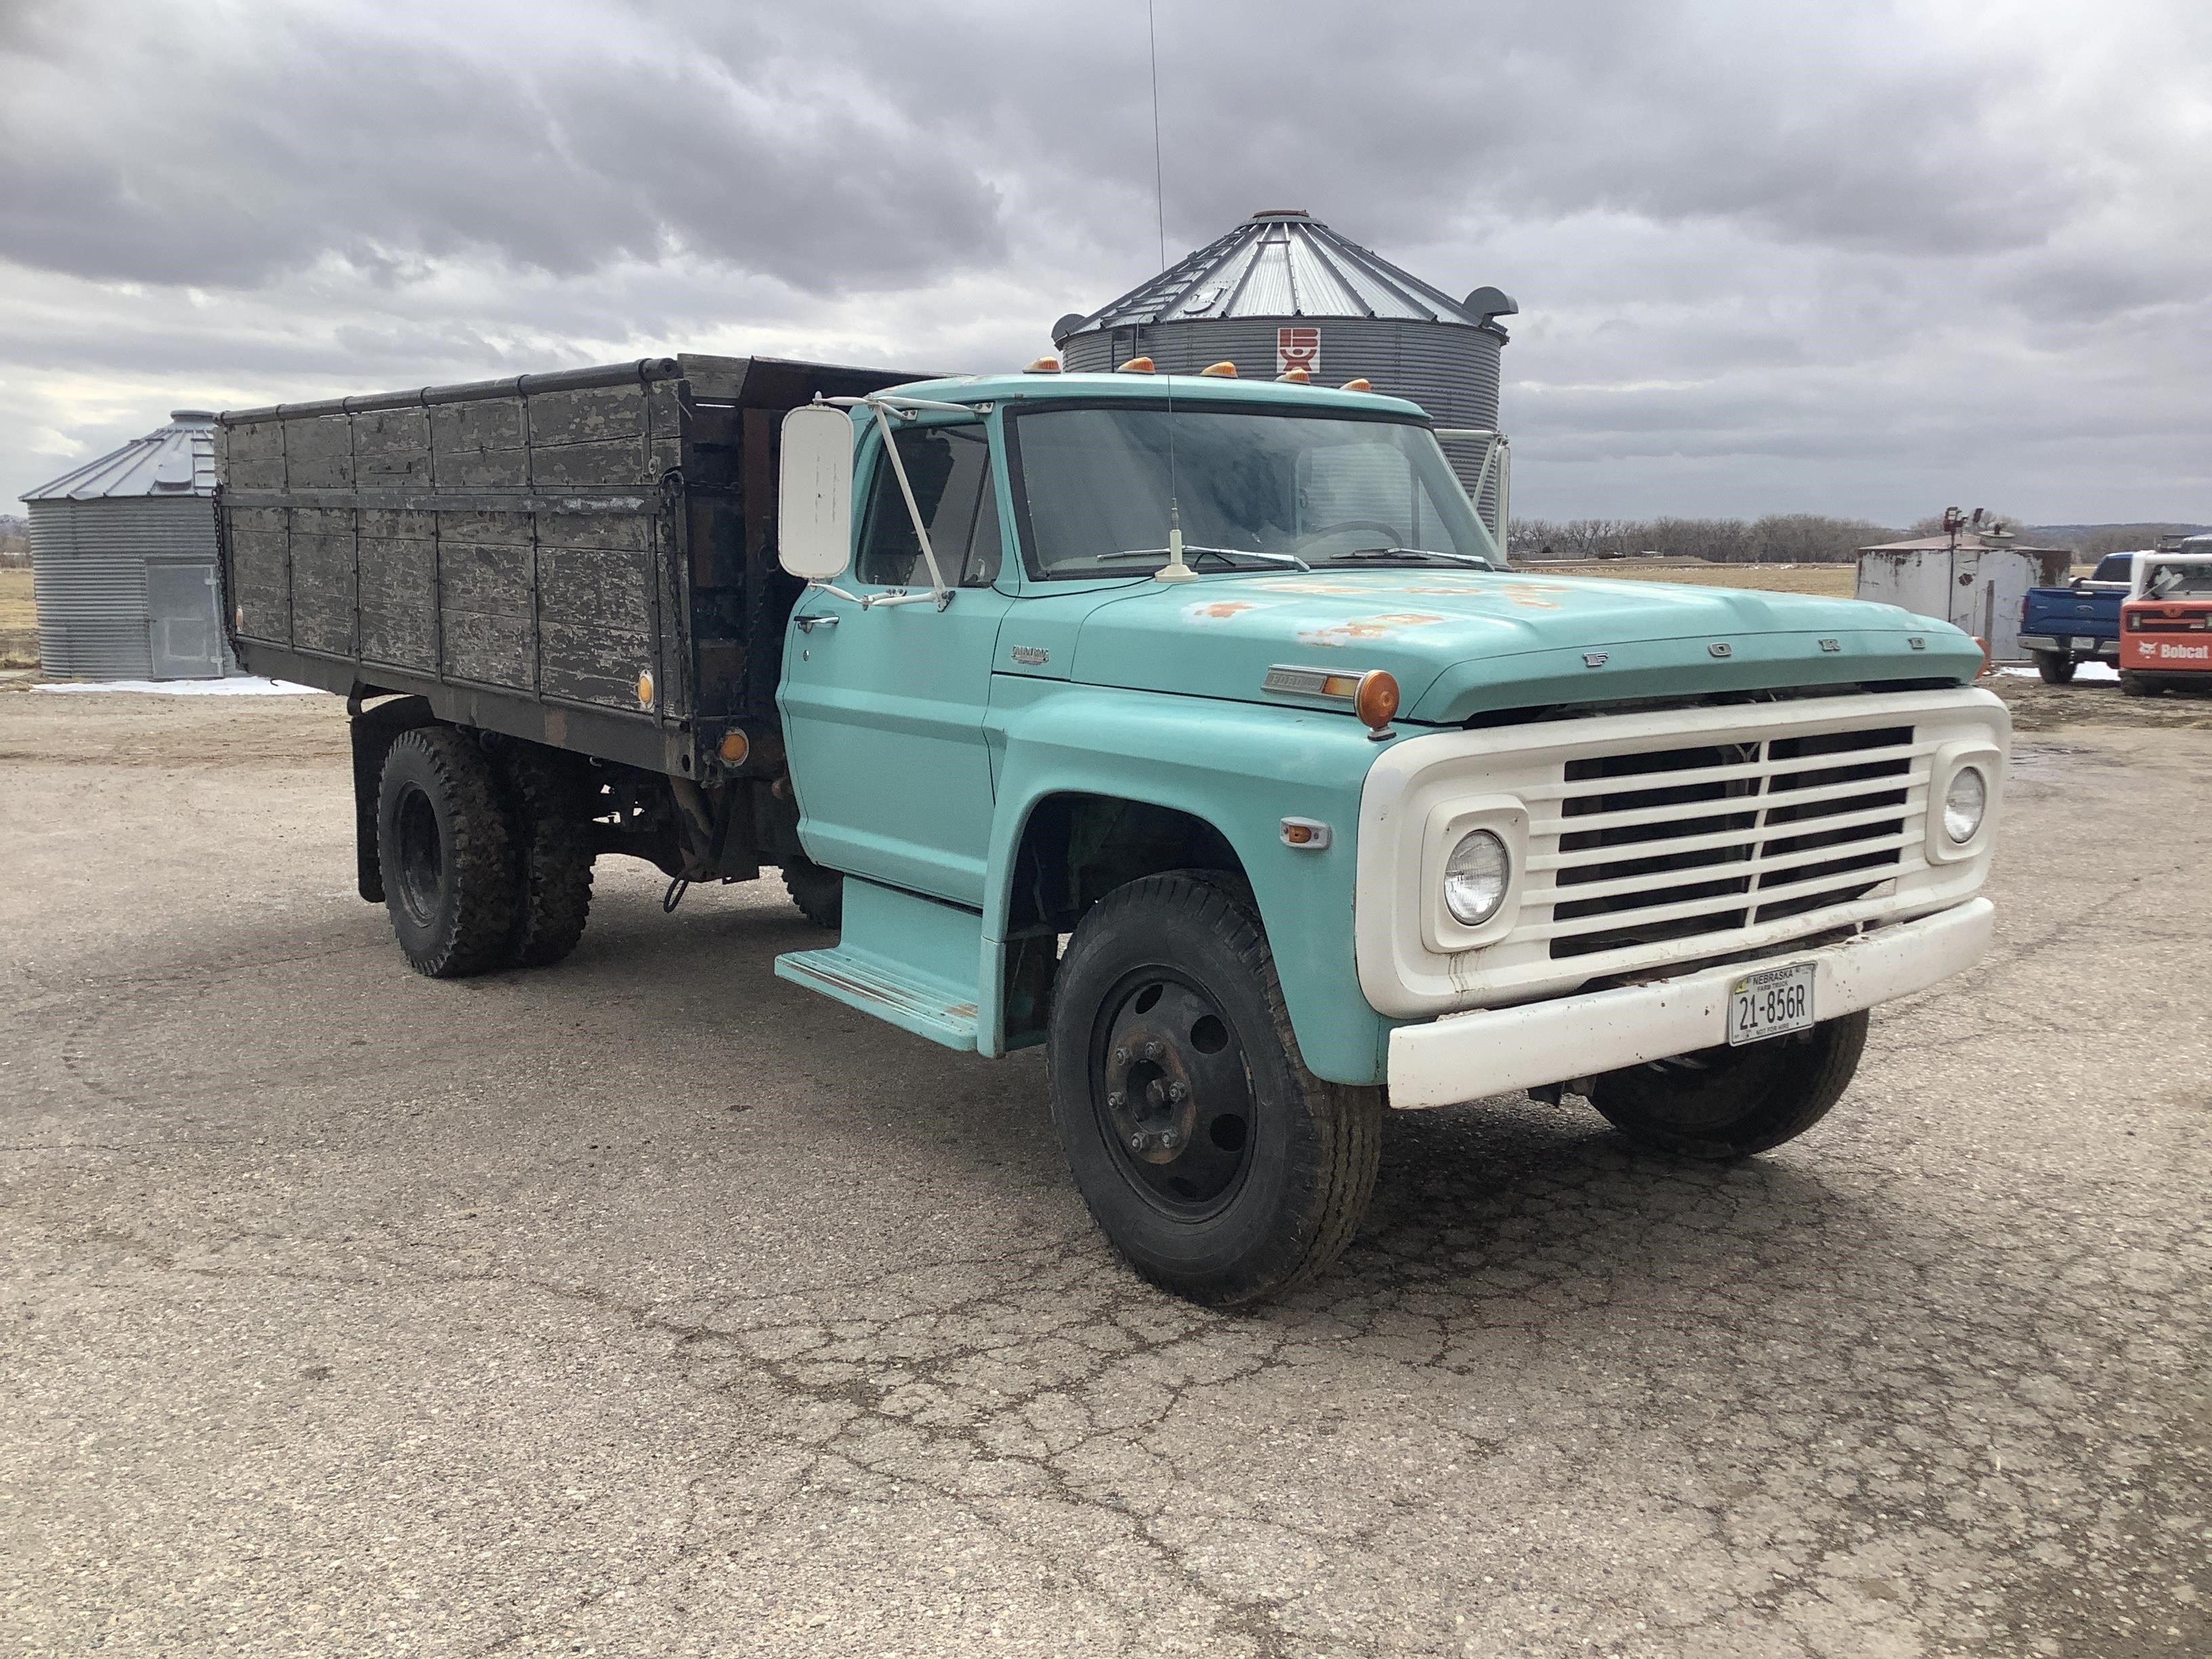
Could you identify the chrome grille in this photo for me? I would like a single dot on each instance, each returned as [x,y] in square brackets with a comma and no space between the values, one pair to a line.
[1654,845]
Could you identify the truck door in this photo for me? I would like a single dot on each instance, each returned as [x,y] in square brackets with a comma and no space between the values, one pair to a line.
[883,708]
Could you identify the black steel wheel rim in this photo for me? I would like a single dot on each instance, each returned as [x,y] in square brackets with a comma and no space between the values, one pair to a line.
[1172,1094]
[422,853]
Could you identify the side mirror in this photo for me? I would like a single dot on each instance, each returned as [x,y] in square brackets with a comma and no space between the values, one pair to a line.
[814,492]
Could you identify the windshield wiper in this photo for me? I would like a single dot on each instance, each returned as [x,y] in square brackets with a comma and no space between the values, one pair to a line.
[1287,561]
[1475,560]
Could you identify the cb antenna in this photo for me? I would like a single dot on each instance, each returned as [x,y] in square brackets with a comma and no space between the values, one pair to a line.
[1174,570]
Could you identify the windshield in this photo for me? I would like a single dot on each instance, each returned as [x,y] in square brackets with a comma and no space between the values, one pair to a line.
[2191,580]
[1255,490]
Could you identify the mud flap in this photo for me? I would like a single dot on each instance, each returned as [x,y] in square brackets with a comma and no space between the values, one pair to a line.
[374,730]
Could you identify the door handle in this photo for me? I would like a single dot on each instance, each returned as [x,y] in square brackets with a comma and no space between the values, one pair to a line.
[819,619]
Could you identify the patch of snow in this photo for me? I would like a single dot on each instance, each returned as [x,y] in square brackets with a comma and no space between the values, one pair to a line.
[2087,670]
[238,685]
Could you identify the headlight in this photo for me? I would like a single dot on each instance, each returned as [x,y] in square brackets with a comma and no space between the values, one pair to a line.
[1964,803]
[1476,877]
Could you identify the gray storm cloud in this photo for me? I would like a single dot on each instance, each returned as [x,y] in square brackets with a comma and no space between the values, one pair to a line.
[1851,259]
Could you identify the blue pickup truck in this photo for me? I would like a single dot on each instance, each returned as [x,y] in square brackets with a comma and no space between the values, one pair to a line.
[2065,627]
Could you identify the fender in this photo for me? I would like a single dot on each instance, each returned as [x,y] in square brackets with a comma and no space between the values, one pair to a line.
[1241,768]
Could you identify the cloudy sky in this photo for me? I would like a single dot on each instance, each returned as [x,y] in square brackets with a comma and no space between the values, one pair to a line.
[1844,256]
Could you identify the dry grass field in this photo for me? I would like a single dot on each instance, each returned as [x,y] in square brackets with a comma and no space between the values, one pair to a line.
[16,612]
[1835,581]
[19,620]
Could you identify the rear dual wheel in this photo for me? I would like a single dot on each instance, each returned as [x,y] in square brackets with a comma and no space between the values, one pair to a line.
[486,865]
[2057,667]
[1213,1159]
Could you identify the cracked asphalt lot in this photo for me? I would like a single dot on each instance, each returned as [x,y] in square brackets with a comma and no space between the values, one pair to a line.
[647,1305]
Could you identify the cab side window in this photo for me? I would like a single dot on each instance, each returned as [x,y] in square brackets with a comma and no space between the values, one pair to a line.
[949,468]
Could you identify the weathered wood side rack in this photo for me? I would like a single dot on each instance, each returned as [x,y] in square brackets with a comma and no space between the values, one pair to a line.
[585,559]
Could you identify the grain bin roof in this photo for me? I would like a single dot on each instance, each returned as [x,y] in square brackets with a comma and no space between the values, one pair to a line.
[178,459]
[1285,263]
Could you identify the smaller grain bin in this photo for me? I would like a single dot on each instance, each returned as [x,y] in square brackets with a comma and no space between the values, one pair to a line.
[1973,579]
[122,560]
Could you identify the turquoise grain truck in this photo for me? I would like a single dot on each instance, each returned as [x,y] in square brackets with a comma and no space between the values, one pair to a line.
[1190,728]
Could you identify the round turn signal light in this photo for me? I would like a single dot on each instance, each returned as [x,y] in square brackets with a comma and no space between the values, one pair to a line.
[1377,700]
[735,747]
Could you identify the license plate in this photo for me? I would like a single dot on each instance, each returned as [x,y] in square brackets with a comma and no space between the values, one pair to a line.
[1769,1003]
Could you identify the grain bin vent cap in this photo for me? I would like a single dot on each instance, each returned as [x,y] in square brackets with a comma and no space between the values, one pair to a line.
[177,460]
[1283,262]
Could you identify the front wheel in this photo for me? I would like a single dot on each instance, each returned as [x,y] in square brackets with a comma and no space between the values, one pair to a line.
[2057,667]
[1218,1164]
[2137,686]
[1723,1104]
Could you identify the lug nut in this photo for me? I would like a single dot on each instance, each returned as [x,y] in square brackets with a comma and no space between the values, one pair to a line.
[1151,1051]
[1178,1090]
[1137,1142]
[1170,1140]
[1117,1100]
[1120,1056]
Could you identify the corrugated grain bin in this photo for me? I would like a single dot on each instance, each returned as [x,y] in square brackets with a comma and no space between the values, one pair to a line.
[1283,291]
[122,560]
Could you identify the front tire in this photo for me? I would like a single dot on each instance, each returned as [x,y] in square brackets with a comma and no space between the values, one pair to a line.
[1726,1104]
[2057,667]
[447,854]
[2133,684]
[1220,1166]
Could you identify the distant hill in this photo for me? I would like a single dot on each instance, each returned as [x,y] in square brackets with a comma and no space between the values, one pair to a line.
[2093,540]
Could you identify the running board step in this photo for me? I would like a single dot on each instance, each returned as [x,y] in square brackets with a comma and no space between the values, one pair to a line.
[909,960]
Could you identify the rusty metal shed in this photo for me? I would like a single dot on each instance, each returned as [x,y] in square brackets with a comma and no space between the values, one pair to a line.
[122,560]
[1973,579]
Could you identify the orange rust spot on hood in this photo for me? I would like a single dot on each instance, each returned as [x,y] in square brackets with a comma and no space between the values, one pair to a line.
[1368,628]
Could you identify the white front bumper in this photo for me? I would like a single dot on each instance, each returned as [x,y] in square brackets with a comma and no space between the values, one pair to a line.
[1494,1051]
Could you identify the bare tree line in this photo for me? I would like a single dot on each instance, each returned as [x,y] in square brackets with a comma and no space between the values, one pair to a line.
[1792,538]
[1778,538]
[14,542]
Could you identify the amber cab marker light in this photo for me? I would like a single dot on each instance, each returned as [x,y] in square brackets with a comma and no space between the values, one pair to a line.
[1136,365]
[1224,370]
[1377,701]
[1359,386]
[1044,366]
[735,747]
[1298,376]
[645,689]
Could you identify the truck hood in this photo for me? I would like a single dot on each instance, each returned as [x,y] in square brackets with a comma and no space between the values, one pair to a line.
[1463,642]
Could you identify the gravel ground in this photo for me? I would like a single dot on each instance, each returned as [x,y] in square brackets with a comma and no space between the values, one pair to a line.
[647,1305]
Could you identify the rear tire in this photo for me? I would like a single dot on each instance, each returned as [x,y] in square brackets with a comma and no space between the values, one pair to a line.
[1218,1165]
[2136,686]
[2057,667]
[819,893]
[553,850]
[446,853]
[1725,1103]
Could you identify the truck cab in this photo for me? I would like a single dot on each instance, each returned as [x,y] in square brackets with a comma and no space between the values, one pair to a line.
[1195,731]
